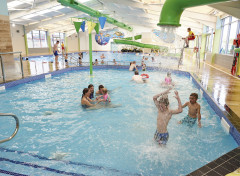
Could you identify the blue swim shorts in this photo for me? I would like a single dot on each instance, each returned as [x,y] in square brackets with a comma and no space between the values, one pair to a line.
[161,138]
[189,121]
[55,53]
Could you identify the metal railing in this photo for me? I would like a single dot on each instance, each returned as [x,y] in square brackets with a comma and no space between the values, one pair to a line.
[197,47]
[2,65]
[16,129]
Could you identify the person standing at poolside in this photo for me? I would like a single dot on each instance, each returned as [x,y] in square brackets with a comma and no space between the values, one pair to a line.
[55,51]
[193,111]
[63,49]
[164,115]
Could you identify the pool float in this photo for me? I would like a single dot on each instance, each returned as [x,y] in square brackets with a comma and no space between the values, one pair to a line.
[145,76]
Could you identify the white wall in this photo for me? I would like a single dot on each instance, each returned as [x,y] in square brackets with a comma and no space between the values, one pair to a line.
[72,43]
[18,39]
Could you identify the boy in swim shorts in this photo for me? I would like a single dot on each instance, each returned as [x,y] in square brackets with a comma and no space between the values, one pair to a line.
[164,115]
[193,111]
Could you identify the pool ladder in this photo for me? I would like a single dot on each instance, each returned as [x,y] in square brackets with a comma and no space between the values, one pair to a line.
[16,129]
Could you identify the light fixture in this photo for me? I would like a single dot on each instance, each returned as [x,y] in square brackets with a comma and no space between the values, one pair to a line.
[13,25]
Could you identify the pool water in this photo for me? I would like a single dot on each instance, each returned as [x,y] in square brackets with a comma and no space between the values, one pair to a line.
[121,58]
[119,141]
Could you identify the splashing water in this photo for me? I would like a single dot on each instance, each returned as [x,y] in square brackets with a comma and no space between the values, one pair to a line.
[168,34]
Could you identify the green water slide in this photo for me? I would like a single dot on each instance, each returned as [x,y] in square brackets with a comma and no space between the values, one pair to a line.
[138,44]
[136,37]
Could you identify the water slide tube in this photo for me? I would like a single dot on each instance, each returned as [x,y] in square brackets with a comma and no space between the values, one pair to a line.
[138,44]
[136,37]
[173,9]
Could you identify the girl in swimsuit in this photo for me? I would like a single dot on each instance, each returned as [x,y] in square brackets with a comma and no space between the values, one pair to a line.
[168,81]
[105,96]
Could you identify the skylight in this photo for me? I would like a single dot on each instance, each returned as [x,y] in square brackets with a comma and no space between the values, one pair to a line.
[14,4]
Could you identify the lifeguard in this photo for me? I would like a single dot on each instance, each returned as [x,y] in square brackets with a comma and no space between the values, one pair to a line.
[190,36]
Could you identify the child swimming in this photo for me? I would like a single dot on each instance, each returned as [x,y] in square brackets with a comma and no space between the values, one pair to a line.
[105,96]
[164,115]
[168,81]
[194,113]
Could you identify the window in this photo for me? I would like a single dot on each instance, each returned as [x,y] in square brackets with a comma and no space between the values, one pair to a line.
[37,39]
[230,29]
[58,37]
[29,40]
[209,41]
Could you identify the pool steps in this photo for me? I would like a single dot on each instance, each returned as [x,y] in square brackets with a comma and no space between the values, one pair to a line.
[48,76]
[225,125]
[2,88]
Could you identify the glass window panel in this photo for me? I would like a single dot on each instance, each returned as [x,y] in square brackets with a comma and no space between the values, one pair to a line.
[224,39]
[43,39]
[36,39]
[234,19]
[56,35]
[29,40]
[211,40]
[227,20]
[62,35]
[233,35]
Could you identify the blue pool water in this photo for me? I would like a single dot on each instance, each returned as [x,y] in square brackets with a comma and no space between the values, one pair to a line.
[117,141]
[121,59]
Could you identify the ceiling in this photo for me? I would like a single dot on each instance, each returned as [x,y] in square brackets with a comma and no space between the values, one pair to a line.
[52,16]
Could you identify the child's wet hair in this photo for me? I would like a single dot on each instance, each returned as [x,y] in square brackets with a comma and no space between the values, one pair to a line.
[164,99]
[100,87]
[194,95]
[168,74]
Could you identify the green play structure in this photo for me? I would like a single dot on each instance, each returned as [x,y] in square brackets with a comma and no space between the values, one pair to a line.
[138,44]
[135,37]
[93,13]
[173,9]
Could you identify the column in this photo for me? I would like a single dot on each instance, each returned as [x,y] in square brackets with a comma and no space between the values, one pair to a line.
[5,32]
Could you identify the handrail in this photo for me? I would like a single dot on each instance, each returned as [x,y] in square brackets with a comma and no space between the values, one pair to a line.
[12,52]
[16,129]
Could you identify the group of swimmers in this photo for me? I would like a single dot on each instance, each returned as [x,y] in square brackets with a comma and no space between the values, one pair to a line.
[88,96]
[164,114]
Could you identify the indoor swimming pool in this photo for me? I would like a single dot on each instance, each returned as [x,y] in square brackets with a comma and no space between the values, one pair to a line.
[57,136]
[120,58]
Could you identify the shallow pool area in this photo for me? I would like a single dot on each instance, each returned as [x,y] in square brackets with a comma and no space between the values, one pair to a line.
[108,141]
